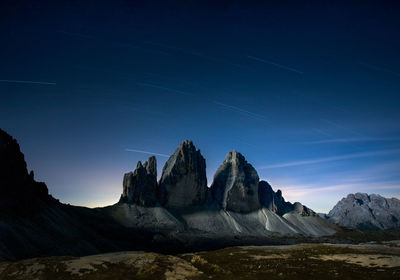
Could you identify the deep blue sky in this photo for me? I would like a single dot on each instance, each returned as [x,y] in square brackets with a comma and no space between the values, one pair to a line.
[307,92]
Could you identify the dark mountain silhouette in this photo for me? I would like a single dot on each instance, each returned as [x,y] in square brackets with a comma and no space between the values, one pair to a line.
[20,194]
[33,223]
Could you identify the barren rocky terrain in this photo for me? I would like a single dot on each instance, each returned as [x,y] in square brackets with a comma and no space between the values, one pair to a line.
[302,261]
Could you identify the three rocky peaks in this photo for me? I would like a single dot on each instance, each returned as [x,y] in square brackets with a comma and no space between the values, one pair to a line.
[236,186]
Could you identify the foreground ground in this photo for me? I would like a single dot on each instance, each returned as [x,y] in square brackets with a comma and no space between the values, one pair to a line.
[303,261]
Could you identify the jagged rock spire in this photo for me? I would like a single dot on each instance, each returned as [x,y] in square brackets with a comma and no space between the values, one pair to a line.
[183,181]
[275,202]
[140,186]
[235,185]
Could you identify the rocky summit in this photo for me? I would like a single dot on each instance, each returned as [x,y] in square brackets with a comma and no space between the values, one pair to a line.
[183,184]
[275,202]
[183,181]
[235,185]
[140,186]
[363,211]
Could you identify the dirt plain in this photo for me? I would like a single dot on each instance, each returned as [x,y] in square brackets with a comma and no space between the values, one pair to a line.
[302,261]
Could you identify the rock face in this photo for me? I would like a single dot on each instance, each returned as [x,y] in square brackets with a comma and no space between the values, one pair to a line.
[140,186]
[365,211]
[12,163]
[303,210]
[183,181]
[275,202]
[18,189]
[235,185]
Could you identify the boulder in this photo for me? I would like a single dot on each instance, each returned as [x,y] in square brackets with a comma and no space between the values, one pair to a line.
[235,185]
[139,187]
[183,181]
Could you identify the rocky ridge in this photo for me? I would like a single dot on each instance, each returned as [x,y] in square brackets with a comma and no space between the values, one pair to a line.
[183,184]
[363,211]
[275,202]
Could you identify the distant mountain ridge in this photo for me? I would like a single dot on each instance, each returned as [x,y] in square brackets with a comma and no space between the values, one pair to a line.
[363,211]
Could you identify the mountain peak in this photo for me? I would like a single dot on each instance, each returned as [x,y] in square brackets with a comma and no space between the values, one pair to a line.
[236,156]
[235,184]
[151,166]
[187,143]
[140,186]
[366,211]
[183,181]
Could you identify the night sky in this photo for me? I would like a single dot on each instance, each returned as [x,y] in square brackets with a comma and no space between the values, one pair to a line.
[308,92]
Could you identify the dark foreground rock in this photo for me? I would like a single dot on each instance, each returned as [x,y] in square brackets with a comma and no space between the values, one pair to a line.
[20,194]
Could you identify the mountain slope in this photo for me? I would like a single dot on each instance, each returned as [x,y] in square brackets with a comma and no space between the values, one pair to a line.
[33,223]
[363,211]
[212,220]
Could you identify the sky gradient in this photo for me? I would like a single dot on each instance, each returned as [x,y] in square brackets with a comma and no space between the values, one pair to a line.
[307,92]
